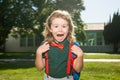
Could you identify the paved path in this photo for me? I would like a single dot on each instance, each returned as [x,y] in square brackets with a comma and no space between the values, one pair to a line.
[101,60]
[85,60]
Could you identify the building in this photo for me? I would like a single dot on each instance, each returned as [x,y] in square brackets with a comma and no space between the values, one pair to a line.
[95,40]
[94,43]
[22,44]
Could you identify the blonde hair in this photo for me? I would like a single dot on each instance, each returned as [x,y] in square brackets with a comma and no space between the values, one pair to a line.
[58,14]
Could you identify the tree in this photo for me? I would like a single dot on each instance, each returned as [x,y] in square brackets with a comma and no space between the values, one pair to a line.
[112,31]
[25,15]
[4,30]
[79,31]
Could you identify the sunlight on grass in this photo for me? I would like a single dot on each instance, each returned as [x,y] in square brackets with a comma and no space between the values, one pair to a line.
[91,71]
[101,56]
[21,74]
[101,71]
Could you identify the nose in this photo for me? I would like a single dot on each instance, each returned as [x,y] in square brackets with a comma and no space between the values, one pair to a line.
[60,29]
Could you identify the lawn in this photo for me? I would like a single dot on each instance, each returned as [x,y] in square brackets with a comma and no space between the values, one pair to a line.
[101,56]
[92,70]
[19,71]
[101,71]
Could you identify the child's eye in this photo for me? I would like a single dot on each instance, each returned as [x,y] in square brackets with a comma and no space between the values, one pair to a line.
[56,26]
[64,26]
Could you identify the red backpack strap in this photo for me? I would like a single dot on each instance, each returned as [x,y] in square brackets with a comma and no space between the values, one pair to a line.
[46,63]
[69,60]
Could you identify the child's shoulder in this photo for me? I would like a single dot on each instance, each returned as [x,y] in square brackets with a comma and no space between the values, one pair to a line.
[76,43]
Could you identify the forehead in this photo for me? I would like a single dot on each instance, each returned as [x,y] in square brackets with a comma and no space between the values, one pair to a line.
[59,21]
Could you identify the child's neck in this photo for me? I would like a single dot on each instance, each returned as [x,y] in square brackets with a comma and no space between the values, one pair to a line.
[56,41]
[59,42]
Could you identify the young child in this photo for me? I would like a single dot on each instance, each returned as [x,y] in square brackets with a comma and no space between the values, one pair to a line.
[53,53]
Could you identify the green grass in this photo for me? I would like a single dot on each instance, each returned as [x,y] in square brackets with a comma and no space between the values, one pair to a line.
[101,71]
[91,71]
[19,71]
[17,55]
[27,71]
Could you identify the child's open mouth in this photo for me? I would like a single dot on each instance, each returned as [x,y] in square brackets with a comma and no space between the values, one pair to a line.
[60,35]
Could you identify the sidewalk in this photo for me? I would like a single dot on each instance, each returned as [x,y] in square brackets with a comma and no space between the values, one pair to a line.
[85,60]
[101,60]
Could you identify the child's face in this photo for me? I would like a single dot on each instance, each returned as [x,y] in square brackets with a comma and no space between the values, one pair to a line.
[59,29]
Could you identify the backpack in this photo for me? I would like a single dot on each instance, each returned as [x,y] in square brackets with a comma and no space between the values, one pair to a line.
[71,57]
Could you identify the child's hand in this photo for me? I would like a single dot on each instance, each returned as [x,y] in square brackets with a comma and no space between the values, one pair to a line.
[77,50]
[78,61]
[43,48]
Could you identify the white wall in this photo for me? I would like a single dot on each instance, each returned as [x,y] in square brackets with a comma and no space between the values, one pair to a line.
[13,45]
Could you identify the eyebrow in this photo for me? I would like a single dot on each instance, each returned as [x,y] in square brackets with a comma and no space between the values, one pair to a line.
[62,24]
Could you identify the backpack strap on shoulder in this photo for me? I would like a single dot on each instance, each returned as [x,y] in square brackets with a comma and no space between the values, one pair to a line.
[76,75]
[46,63]
[69,60]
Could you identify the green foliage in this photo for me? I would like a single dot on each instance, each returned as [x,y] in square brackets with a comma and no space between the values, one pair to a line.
[79,31]
[25,15]
[70,5]
[80,35]
[112,31]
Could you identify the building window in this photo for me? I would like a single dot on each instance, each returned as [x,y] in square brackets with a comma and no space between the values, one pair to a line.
[99,38]
[90,39]
[26,41]
[30,40]
[23,41]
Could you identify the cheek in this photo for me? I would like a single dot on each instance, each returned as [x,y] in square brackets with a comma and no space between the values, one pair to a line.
[53,32]
[67,31]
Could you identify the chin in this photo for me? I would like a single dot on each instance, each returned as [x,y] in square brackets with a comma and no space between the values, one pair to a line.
[60,40]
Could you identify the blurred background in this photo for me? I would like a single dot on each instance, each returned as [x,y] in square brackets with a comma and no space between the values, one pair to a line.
[97,31]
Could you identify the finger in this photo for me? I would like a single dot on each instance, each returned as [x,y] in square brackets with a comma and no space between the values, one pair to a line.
[73,47]
[45,43]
